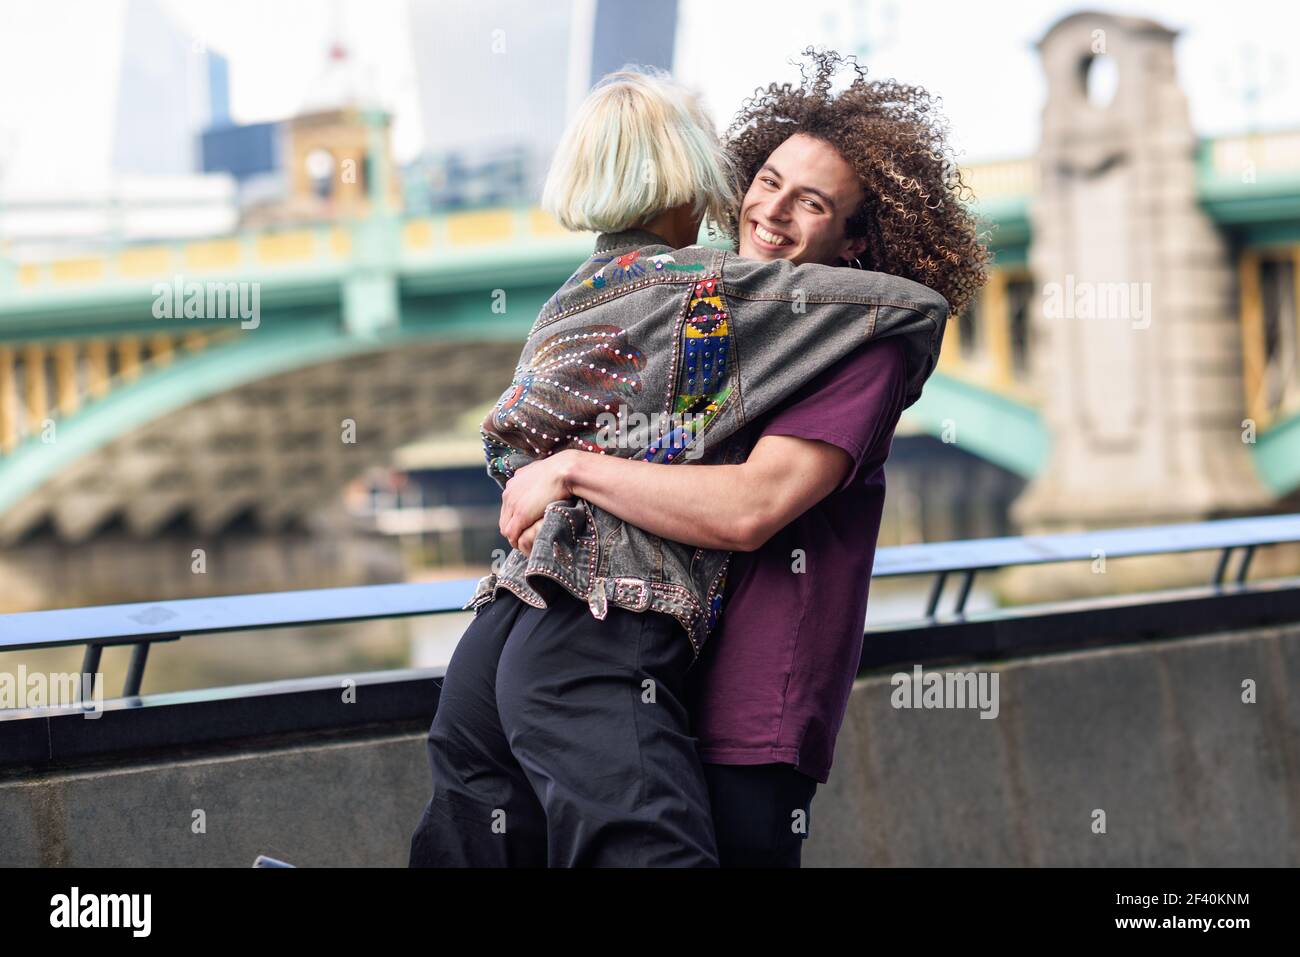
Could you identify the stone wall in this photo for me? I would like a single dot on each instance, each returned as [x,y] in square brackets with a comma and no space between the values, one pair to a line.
[1155,736]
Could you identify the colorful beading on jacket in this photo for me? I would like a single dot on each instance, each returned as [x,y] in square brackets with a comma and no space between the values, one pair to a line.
[618,269]
[633,266]
[715,603]
[497,455]
[621,268]
[555,398]
[702,377]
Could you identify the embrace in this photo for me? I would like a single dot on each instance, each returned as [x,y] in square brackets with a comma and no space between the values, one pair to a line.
[656,674]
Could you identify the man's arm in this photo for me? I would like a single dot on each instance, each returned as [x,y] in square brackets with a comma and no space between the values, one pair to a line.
[809,448]
[727,507]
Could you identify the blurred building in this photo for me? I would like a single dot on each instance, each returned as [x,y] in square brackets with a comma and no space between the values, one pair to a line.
[317,165]
[39,225]
[622,36]
[161,88]
[498,80]
[251,153]
[169,88]
[464,180]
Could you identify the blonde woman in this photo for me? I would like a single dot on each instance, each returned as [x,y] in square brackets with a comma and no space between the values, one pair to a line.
[562,737]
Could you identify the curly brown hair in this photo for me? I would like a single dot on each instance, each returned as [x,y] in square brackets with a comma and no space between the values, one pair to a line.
[913,215]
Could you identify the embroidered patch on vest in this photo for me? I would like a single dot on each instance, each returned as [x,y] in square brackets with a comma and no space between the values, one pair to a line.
[633,265]
[702,378]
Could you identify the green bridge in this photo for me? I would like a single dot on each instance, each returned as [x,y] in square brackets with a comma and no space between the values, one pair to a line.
[356,338]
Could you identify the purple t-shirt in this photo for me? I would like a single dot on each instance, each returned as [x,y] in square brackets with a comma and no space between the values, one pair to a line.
[773,680]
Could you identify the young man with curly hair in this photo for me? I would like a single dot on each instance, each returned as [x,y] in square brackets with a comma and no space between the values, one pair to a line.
[858,178]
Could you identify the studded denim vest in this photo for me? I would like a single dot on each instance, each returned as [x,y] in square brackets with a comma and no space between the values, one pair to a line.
[665,355]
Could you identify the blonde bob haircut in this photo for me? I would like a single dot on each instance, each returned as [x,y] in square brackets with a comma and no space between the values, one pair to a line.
[640,145]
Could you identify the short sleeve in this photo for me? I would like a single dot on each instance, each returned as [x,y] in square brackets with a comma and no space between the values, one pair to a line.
[855,404]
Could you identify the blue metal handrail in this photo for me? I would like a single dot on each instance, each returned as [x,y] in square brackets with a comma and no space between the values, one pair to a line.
[142,623]
[975,555]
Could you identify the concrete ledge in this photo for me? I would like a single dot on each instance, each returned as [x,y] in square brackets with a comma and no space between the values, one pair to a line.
[346,803]
[1155,735]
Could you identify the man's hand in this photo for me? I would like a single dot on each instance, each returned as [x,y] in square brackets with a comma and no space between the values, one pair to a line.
[529,491]
[528,537]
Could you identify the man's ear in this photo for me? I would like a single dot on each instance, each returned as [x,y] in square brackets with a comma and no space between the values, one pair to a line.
[852,248]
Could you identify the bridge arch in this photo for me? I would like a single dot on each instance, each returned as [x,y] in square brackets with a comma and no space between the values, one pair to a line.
[136,451]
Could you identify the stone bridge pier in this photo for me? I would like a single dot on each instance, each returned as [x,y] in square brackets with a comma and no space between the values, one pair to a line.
[1138,353]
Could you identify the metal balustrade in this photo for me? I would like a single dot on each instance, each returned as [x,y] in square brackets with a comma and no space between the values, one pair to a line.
[141,624]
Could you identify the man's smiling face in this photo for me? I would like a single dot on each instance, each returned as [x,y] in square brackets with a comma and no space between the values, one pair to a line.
[797,206]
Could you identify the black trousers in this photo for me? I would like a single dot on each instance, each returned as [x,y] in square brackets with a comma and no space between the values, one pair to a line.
[761,813]
[564,741]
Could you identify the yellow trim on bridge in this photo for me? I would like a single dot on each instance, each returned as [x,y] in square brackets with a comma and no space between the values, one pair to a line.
[482,226]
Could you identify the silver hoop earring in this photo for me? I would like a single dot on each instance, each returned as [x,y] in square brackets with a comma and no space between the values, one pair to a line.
[858,262]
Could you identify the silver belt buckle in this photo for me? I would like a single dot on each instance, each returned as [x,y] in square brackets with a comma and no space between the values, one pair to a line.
[482,592]
[639,588]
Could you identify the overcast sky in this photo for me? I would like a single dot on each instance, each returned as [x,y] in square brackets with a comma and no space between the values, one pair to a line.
[978,56]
